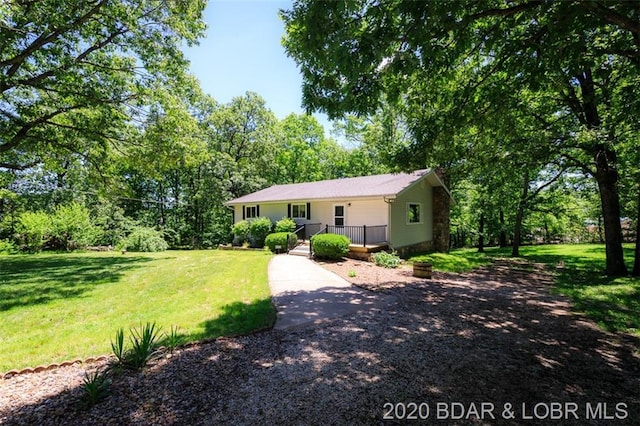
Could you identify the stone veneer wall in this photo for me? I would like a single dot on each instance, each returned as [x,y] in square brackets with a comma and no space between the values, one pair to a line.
[441,219]
[408,251]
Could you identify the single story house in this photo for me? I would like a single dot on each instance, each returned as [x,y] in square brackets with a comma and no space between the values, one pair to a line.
[407,212]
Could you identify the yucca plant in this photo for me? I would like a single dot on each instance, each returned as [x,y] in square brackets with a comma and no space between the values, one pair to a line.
[95,387]
[173,338]
[143,343]
[118,347]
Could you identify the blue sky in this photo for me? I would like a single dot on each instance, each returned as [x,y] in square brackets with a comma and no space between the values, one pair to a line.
[242,52]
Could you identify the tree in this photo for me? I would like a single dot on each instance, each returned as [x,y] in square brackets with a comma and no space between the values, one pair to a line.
[298,158]
[76,75]
[432,57]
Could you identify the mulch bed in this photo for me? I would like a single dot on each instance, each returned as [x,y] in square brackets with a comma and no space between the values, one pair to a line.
[495,336]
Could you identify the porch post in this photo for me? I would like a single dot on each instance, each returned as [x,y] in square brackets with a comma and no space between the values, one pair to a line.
[364,235]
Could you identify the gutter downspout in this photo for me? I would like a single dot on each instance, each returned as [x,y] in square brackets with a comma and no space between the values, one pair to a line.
[389,201]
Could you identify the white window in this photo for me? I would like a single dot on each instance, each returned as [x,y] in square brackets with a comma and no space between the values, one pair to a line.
[298,211]
[414,213]
[251,212]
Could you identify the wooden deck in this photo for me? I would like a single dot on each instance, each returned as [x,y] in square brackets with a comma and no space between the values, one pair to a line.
[358,251]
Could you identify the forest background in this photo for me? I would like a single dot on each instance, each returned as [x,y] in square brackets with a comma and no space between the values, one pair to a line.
[104,133]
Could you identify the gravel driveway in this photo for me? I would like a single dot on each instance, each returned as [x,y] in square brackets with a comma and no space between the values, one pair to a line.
[452,346]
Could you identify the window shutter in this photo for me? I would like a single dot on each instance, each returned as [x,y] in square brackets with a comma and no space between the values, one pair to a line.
[289,210]
[308,211]
[243,213]
[258,210]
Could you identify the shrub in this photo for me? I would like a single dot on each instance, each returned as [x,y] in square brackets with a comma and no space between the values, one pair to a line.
[7,247]
[259,228]
[72,227]
[240,232]
[32,229]
[285,225]
[281,239]
[112,222]
[144,239]
[387,260]
[330,246]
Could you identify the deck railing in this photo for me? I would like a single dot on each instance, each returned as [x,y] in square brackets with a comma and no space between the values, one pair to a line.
[307,230]
[360,234]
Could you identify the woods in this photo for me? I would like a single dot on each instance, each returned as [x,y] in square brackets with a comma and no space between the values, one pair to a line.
[570,70]
[530,108]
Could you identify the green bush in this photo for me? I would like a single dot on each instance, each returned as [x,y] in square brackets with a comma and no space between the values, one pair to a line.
[144,239]
[259,228]
[240,232]
[285,225]
[387,260]
[281,239]
[72,227]
[330,246]
[32,229]
[112,222]
[7,247]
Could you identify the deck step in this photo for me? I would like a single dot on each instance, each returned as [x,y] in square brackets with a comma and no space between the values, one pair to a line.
[301,250]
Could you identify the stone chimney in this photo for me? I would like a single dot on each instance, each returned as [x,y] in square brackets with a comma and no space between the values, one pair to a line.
[441,214]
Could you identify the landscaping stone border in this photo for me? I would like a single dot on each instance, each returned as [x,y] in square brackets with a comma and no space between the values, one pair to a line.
[27,370]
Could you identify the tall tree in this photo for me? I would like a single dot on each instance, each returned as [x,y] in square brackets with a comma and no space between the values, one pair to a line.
[297,157]
[354,55]
[75,74]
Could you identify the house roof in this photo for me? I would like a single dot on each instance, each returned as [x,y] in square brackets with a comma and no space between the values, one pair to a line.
[386,185]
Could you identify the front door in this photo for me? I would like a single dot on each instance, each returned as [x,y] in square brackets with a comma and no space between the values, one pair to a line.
[338,214]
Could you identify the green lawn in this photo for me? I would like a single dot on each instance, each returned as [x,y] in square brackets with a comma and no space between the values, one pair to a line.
[56,307]
[614,303]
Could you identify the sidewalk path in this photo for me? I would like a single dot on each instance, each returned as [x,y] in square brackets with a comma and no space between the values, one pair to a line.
[304,292]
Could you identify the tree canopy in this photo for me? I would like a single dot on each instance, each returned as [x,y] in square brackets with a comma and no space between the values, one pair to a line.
[76,76]
[443,65]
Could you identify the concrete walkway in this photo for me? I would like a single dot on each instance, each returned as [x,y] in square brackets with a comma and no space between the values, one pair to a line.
[304,293]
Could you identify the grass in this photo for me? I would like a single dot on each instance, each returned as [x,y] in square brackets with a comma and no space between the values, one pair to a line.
[461,260]
[613,302]
[56,307]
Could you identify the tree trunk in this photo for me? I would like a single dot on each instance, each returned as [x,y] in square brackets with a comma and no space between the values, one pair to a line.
[547,236]
[636,262]
[517,229]
[163,219]
[503,234]
[607,176]
[481,234]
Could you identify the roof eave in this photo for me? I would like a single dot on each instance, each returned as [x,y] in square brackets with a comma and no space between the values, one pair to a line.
[288,200]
